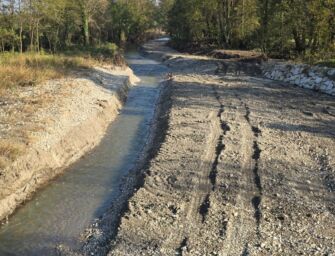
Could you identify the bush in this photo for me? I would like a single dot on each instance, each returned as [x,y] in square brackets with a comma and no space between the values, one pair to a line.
[108,52]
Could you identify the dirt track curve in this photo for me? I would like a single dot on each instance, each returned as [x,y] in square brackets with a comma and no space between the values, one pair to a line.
[247,167]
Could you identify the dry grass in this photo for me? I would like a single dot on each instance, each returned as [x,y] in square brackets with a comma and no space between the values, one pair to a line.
[32,68]
[3,163]
[9,151]
[29,69]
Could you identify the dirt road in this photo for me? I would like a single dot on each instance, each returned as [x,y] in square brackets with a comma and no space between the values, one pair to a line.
[247,167]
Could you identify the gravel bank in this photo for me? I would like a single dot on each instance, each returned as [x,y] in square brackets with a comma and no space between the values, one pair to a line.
[55,124]
[246,167]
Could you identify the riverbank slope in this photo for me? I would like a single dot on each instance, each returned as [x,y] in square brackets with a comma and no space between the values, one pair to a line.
[45,128]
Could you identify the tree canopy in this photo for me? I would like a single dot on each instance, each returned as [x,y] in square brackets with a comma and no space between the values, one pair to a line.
[283,28]
[278,27]
[56,24]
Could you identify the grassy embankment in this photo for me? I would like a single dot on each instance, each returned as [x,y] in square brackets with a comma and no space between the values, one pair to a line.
[29,69]
[33,68]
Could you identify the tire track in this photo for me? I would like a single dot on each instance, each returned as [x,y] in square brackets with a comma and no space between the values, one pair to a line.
[220,147]
[257,198]
[183,247]
[244,222]
[204,207]
[197,208]
[241,225]
[201,200]
[327,173]
[328,179]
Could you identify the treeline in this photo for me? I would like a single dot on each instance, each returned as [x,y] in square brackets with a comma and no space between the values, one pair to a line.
[57,24]
[282,28]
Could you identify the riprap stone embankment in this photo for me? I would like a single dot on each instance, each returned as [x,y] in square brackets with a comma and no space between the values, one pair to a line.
[310,77]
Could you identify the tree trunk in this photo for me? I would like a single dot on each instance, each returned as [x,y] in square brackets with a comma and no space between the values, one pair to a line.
[299,41]
[37,36]
[265,25]
[243,20]
[21,28]
[86,32]
[31,37]
[21,40]
[49,43]
[220,27]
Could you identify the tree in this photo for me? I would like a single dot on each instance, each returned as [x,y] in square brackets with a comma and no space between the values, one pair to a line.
[130,19]
[271,25]
[88,9]
[162,13]
[57,24]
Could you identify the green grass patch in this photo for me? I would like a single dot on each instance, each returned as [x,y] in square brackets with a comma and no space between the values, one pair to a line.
[326,63]
[105,53]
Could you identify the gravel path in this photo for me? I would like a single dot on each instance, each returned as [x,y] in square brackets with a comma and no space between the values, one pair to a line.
[246,167]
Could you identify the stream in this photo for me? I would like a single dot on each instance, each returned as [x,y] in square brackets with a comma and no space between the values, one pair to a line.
[61,211]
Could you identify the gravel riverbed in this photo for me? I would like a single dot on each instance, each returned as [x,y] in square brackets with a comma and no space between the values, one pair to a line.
[246,167]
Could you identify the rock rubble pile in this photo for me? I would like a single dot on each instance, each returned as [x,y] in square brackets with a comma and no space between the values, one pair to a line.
[315,78]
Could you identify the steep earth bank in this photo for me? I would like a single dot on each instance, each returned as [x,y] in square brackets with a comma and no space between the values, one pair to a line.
[245,167]
[47,127]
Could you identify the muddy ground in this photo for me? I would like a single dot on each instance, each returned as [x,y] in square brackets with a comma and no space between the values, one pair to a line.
[246,167]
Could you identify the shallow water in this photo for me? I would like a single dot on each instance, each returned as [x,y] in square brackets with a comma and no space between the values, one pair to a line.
[60,212]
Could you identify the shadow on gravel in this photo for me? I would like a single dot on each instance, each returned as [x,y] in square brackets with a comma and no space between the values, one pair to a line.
[278,179]
[287,102]
[101,78]
[148,69]
[324,129]
[303,183]
[238,68]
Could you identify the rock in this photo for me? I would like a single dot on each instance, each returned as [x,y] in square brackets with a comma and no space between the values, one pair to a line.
[311,74]
[295,71]
[297,81]
[318,79]
[329,85]
[331,72]
[304,76]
